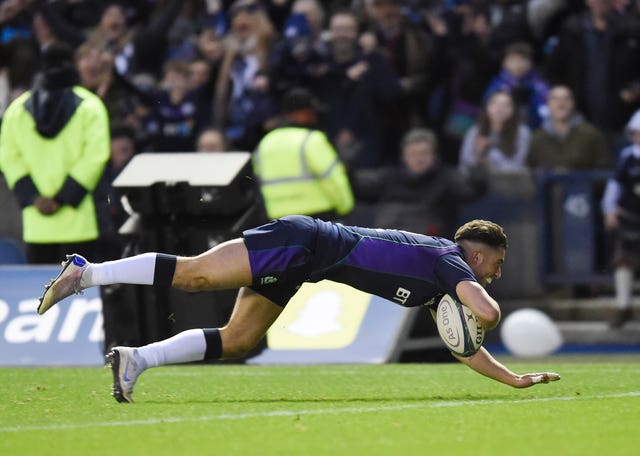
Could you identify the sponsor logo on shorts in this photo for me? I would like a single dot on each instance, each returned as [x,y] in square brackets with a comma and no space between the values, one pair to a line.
[267,280]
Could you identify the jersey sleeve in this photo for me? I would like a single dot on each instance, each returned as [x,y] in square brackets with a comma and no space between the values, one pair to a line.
[451,269]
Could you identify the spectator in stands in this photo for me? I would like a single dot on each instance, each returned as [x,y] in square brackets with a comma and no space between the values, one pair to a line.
[631,93]
[541,14]
[42,31]
[509,22]
[475,61]
[421,194]
[14,19]
[498,139]
[95,68]
[18,56]
[173,119]
[242,99]
[19,41]
[621,208]
[210,48]
[202,81]
[519,77]
[297,56]
[417,55]
[181,36]
[597,55]
[566,141]
[314,14]
[356,87]
[205,69]
[212,140]
[138,48]
[18,64]
[54,144]
[298,169]
[123,147]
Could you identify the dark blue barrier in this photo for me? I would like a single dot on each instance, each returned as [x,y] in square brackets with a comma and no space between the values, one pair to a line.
[555,229]
[572,241]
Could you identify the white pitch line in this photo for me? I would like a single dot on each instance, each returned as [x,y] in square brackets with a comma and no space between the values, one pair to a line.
[331,411]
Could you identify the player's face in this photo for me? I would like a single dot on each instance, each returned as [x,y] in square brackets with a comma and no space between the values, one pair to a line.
[490,265]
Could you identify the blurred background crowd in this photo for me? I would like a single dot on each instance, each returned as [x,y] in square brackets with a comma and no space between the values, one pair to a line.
[171,70]
[423,101]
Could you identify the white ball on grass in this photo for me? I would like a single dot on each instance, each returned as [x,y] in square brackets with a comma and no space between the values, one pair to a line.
[530,332]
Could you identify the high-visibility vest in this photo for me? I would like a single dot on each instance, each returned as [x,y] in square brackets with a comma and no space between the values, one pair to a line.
[80,150]
[300,172]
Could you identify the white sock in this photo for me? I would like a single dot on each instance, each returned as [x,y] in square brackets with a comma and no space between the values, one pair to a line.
[623,280]
[138,270]
[184,347]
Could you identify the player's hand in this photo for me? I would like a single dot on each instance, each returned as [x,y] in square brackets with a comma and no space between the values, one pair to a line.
[527,380]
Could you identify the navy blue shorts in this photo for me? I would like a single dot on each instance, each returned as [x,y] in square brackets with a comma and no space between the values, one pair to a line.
[281,254]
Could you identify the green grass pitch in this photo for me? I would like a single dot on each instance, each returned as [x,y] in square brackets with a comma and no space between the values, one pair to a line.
[397,409]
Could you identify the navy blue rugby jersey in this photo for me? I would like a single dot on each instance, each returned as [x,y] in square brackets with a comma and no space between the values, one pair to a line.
[406,268]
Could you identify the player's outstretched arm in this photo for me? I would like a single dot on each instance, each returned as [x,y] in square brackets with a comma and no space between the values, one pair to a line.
[485,364]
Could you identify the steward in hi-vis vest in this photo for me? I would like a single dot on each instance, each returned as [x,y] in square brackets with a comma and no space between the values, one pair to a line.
[298,169]
[54,145]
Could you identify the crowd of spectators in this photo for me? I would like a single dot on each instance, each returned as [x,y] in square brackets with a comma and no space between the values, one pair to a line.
[498,83]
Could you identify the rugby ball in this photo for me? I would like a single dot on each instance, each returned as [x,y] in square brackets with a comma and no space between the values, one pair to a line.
[458,327]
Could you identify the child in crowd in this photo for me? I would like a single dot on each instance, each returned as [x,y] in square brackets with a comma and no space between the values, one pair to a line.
[519,77]
[173,119]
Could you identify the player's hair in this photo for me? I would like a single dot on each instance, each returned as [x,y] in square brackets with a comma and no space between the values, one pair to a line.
[488,233]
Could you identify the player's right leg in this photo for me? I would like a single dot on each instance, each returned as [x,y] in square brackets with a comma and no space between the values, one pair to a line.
[224,266]
[252,315]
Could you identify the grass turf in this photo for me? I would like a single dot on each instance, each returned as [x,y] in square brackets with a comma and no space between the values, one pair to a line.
[357,410]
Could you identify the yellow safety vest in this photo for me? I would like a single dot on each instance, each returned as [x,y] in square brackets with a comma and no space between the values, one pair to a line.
[300,173]
[80,150]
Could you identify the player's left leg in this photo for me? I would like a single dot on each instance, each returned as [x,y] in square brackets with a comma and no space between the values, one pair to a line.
[253,314]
